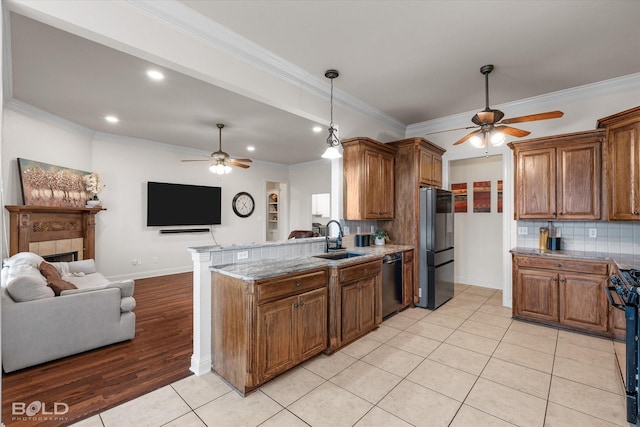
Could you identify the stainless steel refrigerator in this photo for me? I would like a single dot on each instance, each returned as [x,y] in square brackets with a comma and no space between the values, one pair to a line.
[436,247]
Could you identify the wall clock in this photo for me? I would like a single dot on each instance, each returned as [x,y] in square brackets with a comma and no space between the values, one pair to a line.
[243,204]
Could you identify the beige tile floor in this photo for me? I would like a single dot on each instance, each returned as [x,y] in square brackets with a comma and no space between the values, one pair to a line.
[466,364]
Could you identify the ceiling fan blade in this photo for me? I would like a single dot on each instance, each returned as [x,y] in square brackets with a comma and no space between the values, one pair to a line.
[203,160]
[451,130]
[241,160]
[534,117]
[518,133]
[466,137]
[239,165]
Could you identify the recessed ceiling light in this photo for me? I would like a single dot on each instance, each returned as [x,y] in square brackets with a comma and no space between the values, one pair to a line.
[112,119]
[251,148]
[155,75]
[317,129]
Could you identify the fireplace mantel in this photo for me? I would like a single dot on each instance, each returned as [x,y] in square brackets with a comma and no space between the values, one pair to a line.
[31,224]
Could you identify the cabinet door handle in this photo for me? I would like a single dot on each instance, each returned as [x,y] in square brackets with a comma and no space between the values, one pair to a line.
[298,284]
[561,213]
[559,265]
[295,305]
[555,279]
[636,213]
[562,280]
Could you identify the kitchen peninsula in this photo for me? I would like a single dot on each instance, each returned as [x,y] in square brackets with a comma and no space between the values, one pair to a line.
[267,316]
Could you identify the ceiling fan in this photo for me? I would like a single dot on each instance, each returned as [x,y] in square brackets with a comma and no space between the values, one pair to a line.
[220,161]
[490,125]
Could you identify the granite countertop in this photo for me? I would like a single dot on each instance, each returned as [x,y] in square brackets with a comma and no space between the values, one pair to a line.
[623,261]
[265,269]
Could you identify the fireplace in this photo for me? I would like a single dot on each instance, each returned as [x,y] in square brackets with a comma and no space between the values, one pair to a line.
[52,231]
[65,257]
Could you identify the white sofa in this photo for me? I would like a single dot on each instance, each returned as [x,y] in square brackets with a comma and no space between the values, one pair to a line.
[39,326]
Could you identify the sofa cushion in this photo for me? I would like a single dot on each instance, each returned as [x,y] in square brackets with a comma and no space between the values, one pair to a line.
[59,285]
[75,268]
[29,286]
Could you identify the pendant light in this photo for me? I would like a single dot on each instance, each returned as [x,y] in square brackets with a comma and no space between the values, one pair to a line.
[332,151]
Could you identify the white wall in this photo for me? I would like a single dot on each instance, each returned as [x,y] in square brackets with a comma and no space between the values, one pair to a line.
[478,230]
[306,179]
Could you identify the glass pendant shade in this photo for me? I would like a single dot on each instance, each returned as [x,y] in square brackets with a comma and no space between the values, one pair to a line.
[477,141]
[220,168]
[331,153]
[497,138]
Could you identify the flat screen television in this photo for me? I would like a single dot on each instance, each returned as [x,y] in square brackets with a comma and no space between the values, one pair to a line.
[181,204]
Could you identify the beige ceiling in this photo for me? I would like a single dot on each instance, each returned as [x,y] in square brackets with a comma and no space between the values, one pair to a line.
[413,60]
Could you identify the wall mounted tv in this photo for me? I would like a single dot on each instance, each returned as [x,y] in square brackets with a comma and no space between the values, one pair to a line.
[180,204]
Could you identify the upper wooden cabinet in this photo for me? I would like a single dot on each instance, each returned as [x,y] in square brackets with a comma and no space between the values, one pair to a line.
[621,164]
[420,161]
[368,179]
[559,177]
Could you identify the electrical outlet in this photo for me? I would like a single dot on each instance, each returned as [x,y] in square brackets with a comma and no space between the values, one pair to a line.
[243,255]
[134,261]
[139,261]
[523,231]
[593,232]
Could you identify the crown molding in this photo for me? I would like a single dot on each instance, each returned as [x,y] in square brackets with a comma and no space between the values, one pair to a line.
[180,16]
[576,94]
[18,106]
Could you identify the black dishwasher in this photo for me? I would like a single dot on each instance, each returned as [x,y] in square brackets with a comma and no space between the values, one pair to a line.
[391,284]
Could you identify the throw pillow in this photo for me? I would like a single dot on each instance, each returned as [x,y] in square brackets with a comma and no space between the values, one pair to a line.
[28,288]
[59,285]
[24,258]
[49,272]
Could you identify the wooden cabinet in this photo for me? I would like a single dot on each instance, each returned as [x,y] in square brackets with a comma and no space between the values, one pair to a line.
[621,166]
[358,308]
[262,328]
[355,302]
[368,179]
[418,163]
[559,177]
[407,278]
[430,165]
[289,331]
[537,295]
[561,292]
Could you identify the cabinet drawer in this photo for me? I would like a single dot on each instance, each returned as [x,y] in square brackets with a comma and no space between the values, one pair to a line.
[563,264]
[291,285]
[348,274]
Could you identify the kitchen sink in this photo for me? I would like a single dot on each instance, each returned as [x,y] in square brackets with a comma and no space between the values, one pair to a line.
[338,255]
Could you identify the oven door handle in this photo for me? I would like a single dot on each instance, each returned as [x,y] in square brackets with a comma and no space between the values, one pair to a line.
[610,298]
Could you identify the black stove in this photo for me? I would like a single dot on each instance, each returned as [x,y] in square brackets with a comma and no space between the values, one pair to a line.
[626,284]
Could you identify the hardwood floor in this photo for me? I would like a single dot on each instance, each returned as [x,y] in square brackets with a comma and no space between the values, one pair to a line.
[96,380]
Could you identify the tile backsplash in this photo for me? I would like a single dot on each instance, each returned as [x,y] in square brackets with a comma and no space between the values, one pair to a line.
[615,237]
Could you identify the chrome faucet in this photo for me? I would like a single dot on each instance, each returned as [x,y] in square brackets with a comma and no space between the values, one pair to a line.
[337,241]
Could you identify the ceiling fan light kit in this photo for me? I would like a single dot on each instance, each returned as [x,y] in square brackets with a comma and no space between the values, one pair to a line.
[490,123]
[221,163]
[333,142]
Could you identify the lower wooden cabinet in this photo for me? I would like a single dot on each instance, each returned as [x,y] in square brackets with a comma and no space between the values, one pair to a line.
[562,292]
[407,278]
[537,295]
[290,331]
[358,308]
[261,328]
[355,302]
